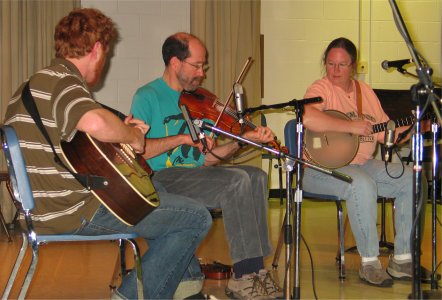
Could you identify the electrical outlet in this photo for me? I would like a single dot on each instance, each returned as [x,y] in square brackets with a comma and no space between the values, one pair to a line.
[362,67]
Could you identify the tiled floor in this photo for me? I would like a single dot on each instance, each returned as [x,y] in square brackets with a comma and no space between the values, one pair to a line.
[61,274]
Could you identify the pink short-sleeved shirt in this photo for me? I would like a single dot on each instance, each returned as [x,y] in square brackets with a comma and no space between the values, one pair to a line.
[335,98]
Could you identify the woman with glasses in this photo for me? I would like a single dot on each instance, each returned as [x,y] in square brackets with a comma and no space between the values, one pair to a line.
[361,109]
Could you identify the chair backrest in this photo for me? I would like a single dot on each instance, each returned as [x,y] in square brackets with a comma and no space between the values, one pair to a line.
[18,175]
[290,137]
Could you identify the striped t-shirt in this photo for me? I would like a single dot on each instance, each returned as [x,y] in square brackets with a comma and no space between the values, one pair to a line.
[62,98]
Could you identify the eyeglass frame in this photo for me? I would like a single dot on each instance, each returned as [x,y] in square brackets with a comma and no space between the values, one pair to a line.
[339,65]
[202,67]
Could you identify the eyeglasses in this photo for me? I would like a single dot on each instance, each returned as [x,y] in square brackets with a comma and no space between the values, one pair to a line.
[203,67]
[340,65]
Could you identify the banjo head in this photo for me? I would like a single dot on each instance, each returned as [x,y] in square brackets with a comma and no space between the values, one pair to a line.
[331,149]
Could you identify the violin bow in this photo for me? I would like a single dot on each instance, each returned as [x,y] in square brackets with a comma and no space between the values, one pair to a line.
[238,80]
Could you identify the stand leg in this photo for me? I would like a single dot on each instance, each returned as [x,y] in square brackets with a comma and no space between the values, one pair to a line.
[297,234]
[278,246]
[383,240]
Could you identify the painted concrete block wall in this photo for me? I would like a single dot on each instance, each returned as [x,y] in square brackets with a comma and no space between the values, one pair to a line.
[296,32]
[143,26]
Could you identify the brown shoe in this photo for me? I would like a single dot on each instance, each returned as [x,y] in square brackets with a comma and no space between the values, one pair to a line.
[404,271]
[373,274]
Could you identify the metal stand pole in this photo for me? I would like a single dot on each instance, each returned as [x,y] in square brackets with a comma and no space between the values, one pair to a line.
[299,110]
[434,293]
[288,233]
[417,149]
[425,87]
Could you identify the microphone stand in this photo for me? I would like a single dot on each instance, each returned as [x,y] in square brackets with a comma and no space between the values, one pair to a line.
[425,87]
[405,72]
[294,102]
[435,175]
[290,161]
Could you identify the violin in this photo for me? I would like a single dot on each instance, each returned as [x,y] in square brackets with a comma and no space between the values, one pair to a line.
[216,270]
[202,104]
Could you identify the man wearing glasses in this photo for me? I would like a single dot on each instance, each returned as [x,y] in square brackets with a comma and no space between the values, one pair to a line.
[186,168]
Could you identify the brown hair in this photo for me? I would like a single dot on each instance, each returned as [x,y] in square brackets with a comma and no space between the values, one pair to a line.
[345,44]
[76,34]
[177,45]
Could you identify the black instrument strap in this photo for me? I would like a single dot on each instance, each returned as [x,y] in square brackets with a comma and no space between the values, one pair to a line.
[86,180]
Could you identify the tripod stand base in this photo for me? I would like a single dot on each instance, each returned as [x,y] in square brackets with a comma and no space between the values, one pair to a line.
[432,294]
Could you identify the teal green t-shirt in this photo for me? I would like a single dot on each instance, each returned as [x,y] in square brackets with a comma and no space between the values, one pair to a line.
[157,104]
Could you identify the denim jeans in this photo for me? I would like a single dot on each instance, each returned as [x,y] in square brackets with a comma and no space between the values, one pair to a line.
[369,181]
[173,231]
[241,193]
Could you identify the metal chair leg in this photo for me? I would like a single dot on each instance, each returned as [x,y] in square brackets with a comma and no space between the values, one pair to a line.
[341,248]
[16,267]
[138,268]
[2,220]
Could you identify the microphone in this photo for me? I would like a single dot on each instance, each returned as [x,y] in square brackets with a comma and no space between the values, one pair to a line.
[398,64]
[389,140]
[239,102]
[195,133]
[192,130]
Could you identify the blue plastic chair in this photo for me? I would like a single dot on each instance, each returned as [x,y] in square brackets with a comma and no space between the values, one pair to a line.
[278,165]
[22,193]
[290,143]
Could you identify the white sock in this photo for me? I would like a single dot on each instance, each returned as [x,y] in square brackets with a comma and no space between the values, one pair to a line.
[401,258]
[369,259]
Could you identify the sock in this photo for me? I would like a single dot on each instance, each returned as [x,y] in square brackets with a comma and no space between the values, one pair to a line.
[247,266]
[368,260]
[402,258]
[374,261]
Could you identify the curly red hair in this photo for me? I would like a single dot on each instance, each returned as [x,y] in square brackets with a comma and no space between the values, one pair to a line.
[76,34]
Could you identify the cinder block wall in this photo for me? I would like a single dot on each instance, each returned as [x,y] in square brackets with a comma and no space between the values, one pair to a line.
[143,25]
[296,32]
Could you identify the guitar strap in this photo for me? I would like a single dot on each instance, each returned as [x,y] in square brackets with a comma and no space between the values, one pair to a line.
[86,180]
[358,98]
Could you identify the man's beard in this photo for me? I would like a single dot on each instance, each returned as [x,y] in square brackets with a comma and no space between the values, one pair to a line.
[190,84]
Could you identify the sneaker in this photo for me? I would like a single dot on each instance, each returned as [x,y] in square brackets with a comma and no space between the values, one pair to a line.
[249,286]
[404,271]
[271,287]
[373,273]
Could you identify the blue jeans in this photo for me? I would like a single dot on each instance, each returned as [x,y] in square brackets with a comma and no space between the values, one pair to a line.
[173,231]
[241,193]
[369,181]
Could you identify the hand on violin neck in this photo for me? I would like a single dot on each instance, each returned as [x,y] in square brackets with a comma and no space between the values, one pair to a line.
[259,135]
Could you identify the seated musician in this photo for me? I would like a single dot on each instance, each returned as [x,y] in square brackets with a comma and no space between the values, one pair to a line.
[341,92]
[185,169]
[62,205]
